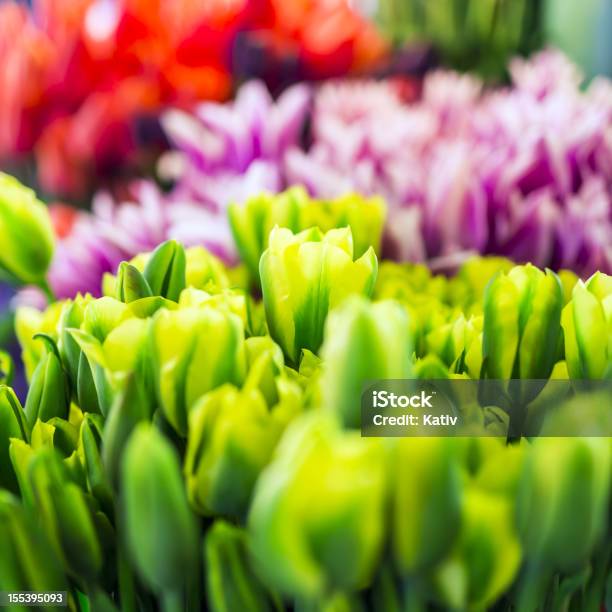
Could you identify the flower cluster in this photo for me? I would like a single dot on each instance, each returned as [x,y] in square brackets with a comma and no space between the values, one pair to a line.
[181,437]
[525,172]
[83,82]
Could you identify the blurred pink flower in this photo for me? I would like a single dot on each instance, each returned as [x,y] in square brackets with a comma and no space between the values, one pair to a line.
[495,171]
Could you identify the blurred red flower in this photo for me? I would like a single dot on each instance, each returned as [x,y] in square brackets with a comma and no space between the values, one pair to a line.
[76,75]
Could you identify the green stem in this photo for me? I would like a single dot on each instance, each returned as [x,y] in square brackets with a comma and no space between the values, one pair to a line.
[172,601]
[46,288]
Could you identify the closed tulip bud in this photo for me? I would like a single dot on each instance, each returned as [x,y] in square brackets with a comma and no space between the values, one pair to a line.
[55,433]
[71,317]
[228,563]
[12,425]
[27,562]
[587,326]
[28,323]
[316,520]
[231,438]
[160,530]
[252,222]
[131,406]
[165,270]
[89,450]
[27,234]
[564,499]
[304,276]
[458,344]
[6,368]
[66,515]
[205,271]
[48,395]
[131,284]
[427,497]
[486,557]
[363,341]
[365,217]
[195,350]
[522,313]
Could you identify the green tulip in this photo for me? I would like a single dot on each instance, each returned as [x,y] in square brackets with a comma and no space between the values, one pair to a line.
[90,455]
[303,277]
[522,312]
[252,221]
[231,438]
[486,557]
[165,270]
[65,514]
[231,583]
[316,520]
[27,233]
[131,284]
[56,433]
[160,530]
[426,502]
[6,368]
[12,425]
[365,217]
[195,350]
[28,323]
[27,562]
[363,341]
[48,395]
[205,271]
[564,499]
[131,406]
[587,326]
[458,344]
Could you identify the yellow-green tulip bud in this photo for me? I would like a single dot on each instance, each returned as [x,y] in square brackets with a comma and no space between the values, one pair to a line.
[564,499]
[27,234]
[587,326]
[486,557]
[458,344]
[316,520]
[522,312]
[195,350]
[427,496]
[160,530]
[27,562]
[66,515]
[165,270]
[365,217]
[89,450]
[12,425]
[304,276]
[48,395]
[252,222]
[28,323]
[131,406]
[363,341]
[131,284]
[205,271]
[231,583]
[293,209]
[232,435]
[7,368]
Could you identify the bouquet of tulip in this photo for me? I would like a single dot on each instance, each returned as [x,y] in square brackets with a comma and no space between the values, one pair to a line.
[185,445]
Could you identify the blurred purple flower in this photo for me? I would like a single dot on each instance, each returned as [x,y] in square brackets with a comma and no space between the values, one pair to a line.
[224,153]
[114,232]
[524,171]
